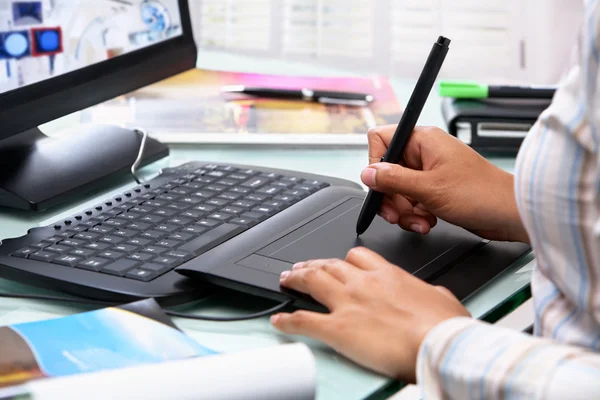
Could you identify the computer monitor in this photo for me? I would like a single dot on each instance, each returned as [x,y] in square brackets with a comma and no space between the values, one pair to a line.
[61,56]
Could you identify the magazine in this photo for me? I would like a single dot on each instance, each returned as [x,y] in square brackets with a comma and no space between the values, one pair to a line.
[191,108]
[114,337]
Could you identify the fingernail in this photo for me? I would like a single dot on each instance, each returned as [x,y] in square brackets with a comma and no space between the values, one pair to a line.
[417,228]
[275,318]
[368,176]
[386,216]
[284,275]
[298,265]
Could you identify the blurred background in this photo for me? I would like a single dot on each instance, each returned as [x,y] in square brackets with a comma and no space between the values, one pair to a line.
[528,41]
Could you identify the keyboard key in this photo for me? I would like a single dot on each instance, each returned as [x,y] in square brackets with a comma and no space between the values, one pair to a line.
[126,233]
[296,193]
[232,210]
[255,183]
[52,240]
[291,179]
[181,255]
[245,204]
[72,243]
[152,219]
[276,204]
[178,206]
[141,256]
[237,177]
[115,223]
[97,246]
[143,209]
[158,268]
[217,202]
[205,208]
[102,229]
[58,249]
[170,243]
[67,260]
[306,188]
[181,221]
[139,241]
[181,191]
[265,209]
[286,198]
[226,168]
[230,196]
[216,188]
[316,184]
[193,185]
[226,182]
[141,275]
[216,174]
[111,254]
[270,190]
[285,185]
[153,203]
[111,239]
[270,175]
[84,253]
[208,223]
[120,267]
[254,215]
[168,197]
[167,228]
[24,253]
[139,226]
[43,256]
[246,222]
[184,237]
[126,248]
[168,262]
[239,189]
[93,264]
[42,245]
[156,235]
[131,216]
[256,197]
[165,212]
[191,214]
[212,238]
[249,172]
[222,217]
[194,229]
[204,180]
[192,200]
[154,250]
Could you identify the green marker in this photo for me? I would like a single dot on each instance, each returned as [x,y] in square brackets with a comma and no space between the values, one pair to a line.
[474,90]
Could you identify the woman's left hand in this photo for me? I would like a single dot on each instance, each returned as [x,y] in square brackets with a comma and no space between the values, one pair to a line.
[379,313]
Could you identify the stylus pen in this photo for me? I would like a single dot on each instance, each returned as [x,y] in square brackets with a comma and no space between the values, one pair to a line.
[310,95]
[407,124]
[474,90]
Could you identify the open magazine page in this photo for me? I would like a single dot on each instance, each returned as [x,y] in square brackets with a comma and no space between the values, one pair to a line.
[191,107]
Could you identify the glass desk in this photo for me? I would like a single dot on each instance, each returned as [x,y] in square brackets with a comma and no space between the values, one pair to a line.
[337,377]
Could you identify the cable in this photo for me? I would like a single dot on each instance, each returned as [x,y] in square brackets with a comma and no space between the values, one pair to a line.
[138,160]
[170,313]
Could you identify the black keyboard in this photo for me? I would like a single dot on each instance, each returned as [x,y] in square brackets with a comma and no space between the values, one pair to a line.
[155,227]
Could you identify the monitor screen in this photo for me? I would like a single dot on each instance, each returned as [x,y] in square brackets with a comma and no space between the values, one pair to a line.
[47,38]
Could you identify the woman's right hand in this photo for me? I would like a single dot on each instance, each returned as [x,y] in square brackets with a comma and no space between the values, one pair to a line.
[443,178]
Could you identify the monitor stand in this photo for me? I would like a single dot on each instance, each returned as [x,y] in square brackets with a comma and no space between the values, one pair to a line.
[38,172]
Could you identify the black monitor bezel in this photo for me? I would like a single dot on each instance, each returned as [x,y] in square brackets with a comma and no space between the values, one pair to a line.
[39,103]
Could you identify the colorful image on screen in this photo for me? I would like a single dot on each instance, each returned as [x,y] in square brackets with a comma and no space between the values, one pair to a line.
[43,39]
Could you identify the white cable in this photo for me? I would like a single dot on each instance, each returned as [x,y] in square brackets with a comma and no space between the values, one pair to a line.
[138,160]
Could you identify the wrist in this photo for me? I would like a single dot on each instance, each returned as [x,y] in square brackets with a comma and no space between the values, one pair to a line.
[516,231]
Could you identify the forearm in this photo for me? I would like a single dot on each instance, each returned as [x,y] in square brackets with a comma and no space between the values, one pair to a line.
[463,358]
